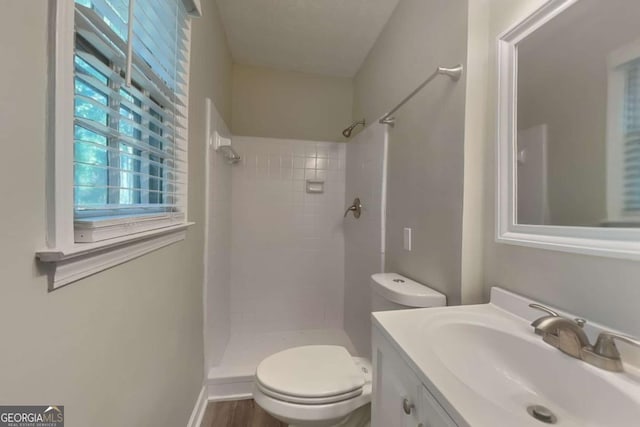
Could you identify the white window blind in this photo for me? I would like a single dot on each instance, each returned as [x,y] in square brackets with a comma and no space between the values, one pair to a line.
[631,126]
[130,148]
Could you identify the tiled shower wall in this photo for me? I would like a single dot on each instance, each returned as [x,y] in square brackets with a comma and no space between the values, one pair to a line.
[287,259]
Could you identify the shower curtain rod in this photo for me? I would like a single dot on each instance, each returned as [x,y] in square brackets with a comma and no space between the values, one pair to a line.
[454,73]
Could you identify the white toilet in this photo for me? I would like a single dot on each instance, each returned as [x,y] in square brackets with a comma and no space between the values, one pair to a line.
[323,385]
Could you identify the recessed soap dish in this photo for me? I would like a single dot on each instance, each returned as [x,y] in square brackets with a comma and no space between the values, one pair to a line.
[315,186]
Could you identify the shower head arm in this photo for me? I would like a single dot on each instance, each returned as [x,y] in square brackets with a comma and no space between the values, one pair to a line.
[347,132]
[229,154]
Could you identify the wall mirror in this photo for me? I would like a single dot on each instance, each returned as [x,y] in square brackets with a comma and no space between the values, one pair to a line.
[569,129]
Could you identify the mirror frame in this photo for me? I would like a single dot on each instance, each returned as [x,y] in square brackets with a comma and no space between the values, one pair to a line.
[600,241]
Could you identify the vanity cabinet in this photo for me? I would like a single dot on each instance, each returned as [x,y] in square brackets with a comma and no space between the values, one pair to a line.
[399,397]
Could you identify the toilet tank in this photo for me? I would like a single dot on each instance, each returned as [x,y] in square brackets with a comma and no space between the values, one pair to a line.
[391,291]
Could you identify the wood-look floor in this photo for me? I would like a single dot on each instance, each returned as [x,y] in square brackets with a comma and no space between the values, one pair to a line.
[238,413]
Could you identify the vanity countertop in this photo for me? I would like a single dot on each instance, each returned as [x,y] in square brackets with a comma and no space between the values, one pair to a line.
[485,366]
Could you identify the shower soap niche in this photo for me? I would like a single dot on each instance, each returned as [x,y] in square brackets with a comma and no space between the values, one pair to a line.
[315,186]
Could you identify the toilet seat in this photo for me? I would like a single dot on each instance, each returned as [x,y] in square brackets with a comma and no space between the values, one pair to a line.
[308,400]
[327,399]
[314,374]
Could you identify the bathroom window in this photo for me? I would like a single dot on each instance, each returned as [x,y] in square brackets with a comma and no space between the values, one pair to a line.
[129,155]
[623,135]
[117,184]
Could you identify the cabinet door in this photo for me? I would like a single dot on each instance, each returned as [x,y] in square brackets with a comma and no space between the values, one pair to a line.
[396,395]
[431,413]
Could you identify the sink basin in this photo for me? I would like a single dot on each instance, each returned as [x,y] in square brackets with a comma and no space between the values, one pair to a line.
[487,367]
[515,371]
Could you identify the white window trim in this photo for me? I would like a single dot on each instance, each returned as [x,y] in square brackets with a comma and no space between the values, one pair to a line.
[65,260]
[615,151]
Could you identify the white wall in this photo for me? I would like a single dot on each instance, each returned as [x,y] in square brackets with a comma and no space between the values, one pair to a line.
[215,58]
[472,275]
[286,104]
[603,289]
[125,346]
[287,245]
[426,148]
[363,237]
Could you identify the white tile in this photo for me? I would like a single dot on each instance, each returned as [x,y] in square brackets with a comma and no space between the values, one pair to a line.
[309,174]
[310,163]
[322,163]
[298,174]
[298,149]
[323,151]
[283,251]
[287,174]
[286,161]
[299,162]
[310,149]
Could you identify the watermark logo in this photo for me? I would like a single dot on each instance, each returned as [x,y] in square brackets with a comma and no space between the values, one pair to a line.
[32,416]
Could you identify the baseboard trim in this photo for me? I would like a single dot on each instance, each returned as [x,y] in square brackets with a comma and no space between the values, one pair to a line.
[230,387]
[199,409]
[215,393]
[230,391]
[217,398]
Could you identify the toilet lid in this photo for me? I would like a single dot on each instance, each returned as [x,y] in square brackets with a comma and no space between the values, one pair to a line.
[310,372]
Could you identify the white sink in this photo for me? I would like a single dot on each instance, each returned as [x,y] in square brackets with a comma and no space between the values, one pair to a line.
[487,367]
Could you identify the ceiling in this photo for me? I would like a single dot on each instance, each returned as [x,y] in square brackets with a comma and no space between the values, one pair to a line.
[331,37]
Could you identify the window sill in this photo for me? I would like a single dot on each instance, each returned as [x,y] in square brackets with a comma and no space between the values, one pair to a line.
[80,260]
[621,223]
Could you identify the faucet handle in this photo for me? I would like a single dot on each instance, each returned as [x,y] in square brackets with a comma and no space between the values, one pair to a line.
[604,354]
[606,345]
[545,309]
[356,208]
[580,321]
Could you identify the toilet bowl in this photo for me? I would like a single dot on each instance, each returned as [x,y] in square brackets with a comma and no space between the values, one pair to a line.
[313,386]
[323,385]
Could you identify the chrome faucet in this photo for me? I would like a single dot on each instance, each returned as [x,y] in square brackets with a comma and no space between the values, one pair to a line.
[560,332]
[568,336]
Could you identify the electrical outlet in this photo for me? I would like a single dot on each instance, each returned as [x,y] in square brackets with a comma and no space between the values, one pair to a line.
[407,239]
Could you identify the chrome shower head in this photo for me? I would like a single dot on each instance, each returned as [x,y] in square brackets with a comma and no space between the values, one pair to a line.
[347,131]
